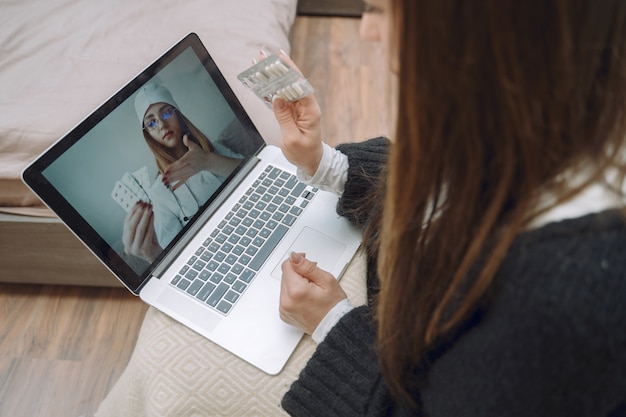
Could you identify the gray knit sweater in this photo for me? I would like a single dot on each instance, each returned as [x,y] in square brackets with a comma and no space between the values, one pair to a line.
[551,342]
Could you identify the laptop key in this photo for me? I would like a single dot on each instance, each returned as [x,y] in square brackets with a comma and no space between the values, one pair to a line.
[224,307]
[298,189]
[274,173]
[231,259]
[231,296]
[199,265]
[244,259]
[291,182]
[247,276]
[237,269]
[216,278]
[239,286]
[217,295]
[191,274]
[230,278]
[268,248]
[183,284]
[289,220]
[195,287]
[203,294]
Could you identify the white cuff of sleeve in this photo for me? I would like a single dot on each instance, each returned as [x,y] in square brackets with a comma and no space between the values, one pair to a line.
[331,318]
[332,172]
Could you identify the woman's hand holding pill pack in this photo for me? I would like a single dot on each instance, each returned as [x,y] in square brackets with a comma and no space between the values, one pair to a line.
[274,77]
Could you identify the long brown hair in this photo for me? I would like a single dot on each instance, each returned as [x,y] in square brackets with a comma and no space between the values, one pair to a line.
[163,156]
[496,99]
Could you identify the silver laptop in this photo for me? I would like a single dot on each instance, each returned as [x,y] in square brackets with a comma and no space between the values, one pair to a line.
[219,237]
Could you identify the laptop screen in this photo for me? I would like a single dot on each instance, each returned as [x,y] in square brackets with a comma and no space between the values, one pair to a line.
[132,177]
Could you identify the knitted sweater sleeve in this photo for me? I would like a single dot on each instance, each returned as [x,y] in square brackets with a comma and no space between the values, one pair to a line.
[342,377]
[366,162]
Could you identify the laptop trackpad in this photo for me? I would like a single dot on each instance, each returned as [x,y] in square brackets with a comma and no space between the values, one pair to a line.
[317,246]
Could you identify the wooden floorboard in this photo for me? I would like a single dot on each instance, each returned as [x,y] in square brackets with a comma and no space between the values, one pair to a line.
[350,77]
[62,348]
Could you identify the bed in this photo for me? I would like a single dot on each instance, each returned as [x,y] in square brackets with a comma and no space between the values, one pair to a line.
[60,59]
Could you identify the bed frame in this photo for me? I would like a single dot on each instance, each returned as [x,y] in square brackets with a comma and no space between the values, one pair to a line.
[343,8]
[26,255]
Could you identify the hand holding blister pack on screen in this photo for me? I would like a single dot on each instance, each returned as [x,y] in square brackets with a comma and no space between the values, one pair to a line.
[274,77]
[132,188]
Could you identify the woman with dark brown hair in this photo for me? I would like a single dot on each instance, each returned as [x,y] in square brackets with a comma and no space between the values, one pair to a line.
[496,235]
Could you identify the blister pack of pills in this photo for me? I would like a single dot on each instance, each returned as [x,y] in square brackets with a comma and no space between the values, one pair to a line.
[274,77]
[131,188]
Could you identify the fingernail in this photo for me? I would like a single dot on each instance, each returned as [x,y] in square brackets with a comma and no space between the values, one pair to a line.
[282,51]
[296,258]
[278,102]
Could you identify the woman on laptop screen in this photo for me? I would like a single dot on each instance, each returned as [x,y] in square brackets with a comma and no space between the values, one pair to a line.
[190,170]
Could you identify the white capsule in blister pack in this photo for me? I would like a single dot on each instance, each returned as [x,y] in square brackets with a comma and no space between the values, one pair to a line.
[274,77]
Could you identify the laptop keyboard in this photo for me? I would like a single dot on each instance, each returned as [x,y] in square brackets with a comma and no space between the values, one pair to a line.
[226,263]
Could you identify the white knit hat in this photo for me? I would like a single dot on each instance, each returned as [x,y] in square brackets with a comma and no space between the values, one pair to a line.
[150,94]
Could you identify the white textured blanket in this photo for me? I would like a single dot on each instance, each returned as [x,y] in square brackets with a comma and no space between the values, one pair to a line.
[174,372]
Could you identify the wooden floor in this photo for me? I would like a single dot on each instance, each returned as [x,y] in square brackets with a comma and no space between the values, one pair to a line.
[63,348]
[349,77]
